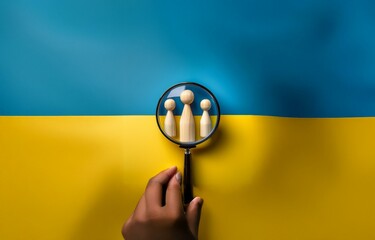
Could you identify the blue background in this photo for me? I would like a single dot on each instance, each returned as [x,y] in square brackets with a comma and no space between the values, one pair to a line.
[285,58]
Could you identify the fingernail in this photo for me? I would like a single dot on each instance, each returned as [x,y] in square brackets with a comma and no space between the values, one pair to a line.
[178,177]
[200,201]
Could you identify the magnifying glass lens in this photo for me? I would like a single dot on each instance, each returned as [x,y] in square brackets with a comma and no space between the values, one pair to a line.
[188,114]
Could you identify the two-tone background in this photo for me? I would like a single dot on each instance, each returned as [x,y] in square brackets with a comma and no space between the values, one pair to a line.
[293,158]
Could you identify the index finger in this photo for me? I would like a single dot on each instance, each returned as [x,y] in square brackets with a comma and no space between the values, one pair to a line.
[154,190]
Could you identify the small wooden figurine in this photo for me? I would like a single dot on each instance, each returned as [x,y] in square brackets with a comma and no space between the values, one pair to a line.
[169,122]
[205,123]
[187,124]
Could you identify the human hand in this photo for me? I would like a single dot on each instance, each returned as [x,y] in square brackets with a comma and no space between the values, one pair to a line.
[153,220]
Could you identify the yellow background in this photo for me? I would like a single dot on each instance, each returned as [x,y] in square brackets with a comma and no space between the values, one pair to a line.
[261,177]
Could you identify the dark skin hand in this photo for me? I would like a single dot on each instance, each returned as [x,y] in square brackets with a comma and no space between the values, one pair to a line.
[153,220]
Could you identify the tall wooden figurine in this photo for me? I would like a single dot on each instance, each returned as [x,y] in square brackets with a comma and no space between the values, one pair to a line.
[187,124]
[205,123]
[169,122]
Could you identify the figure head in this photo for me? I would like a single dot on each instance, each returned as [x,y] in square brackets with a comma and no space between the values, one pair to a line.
[205,104]
[170,104]
[187,97]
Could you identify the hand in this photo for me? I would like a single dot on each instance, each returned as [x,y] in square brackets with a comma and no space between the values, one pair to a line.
[152,219]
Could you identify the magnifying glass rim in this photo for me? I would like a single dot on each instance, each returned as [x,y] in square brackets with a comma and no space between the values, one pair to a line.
[188,144]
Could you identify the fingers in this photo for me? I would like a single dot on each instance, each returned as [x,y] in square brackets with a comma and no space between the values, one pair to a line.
[173,194]
[154,190]
[193,215]
[151,210]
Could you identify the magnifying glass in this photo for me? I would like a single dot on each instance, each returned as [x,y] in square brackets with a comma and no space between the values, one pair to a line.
[188,114]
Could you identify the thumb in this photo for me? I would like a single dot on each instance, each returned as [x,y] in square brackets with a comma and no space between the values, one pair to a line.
[193,215]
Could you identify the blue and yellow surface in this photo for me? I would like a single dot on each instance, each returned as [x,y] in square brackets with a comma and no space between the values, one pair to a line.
[294,155]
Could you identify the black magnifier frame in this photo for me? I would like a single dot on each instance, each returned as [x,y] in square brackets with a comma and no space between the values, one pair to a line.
[189,145]
[187,187]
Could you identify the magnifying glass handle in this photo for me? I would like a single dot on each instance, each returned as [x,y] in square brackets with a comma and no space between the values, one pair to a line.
[188,190]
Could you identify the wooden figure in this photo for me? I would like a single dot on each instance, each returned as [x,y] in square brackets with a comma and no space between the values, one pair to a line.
[205,123]
[169,122]
[187,124]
